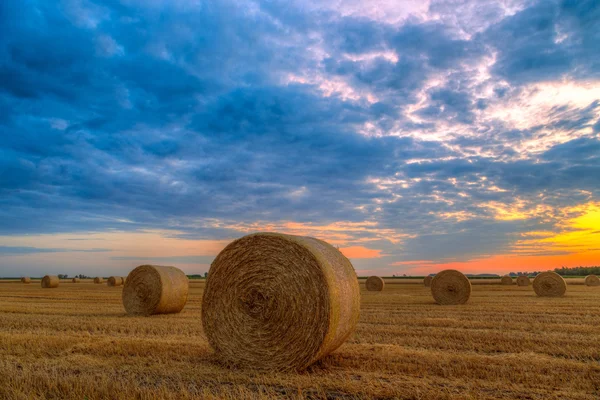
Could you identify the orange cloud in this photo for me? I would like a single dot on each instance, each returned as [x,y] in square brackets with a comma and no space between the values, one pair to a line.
[360,252]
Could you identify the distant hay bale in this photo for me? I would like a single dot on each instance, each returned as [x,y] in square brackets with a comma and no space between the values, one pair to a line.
[123,280]
[114,281]
[98,280]
[75,280]
[549,284]
[279,302]
[450,287]
[25,279]
[50,281]
[427,281]
[506,280]
[523,280]
[592,280]
[154,289]
[374,284]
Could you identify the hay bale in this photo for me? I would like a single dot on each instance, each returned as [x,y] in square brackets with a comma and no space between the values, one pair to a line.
[506,280]
[114,281]
[50,281]
[279,302]
[427,281]
[374,284]
[450,287]
[75,280]
[549,284]
[123,281]
[592,280]
[523,280]
[155,289]
[25,279]
[98,280]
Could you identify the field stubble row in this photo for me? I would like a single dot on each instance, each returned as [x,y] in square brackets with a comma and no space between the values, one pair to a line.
[76,341]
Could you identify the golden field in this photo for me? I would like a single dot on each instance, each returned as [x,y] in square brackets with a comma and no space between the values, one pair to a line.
[76,342]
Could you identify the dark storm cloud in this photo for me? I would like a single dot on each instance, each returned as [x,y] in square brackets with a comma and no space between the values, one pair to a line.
[144,115]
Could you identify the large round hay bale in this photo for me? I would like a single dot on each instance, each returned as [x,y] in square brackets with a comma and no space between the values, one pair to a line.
[427,280]
[25,279]
[549,284]
[592,280]
[50,281]
[155,289]
[450,287]
[98,280]
[114,281]
[506,280]
[75,280]
[374,284]
[523,280]
[279,302]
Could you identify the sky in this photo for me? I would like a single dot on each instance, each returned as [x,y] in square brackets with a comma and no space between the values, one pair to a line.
[415,135]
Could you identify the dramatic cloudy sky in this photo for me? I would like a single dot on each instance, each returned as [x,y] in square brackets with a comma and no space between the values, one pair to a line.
[415,135]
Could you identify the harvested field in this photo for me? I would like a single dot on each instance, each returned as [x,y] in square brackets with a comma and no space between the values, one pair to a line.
[76,342]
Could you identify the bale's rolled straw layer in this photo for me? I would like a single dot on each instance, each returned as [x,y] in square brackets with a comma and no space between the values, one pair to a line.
[114,281]
[50,281]
[154,289]
[549,284]
[523,280]
[506,280]
[450,287]
[25,279]
[98,280]
[374,284]
[427,281]
[279,302]
[592,280]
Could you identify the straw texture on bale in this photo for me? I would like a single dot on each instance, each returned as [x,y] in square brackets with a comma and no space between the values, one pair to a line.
[114,281]
[427,281]
[592,280]
[523,280]
[50,281]
[374,284]
[506,280]
[279,302]
[549,284]
[98,280]
[155,289]
[25,279]
[450,287]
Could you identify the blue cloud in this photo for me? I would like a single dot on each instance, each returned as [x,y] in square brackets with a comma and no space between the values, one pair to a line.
[132,116]
[20,250]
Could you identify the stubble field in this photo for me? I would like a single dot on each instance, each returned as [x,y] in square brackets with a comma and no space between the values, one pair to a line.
[76,342]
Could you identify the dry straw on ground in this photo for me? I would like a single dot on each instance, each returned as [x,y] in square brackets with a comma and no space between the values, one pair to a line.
[98,279]
[427,281]
[523,280]
[506,280]
[279,302]
[25,279]
[75,280]
[592,280]
[549,284]
[50,281]
[450,287]
[374,284]
[114,281]
[154,289]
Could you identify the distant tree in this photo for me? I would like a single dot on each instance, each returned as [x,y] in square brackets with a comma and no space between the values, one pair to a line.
[206,274]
